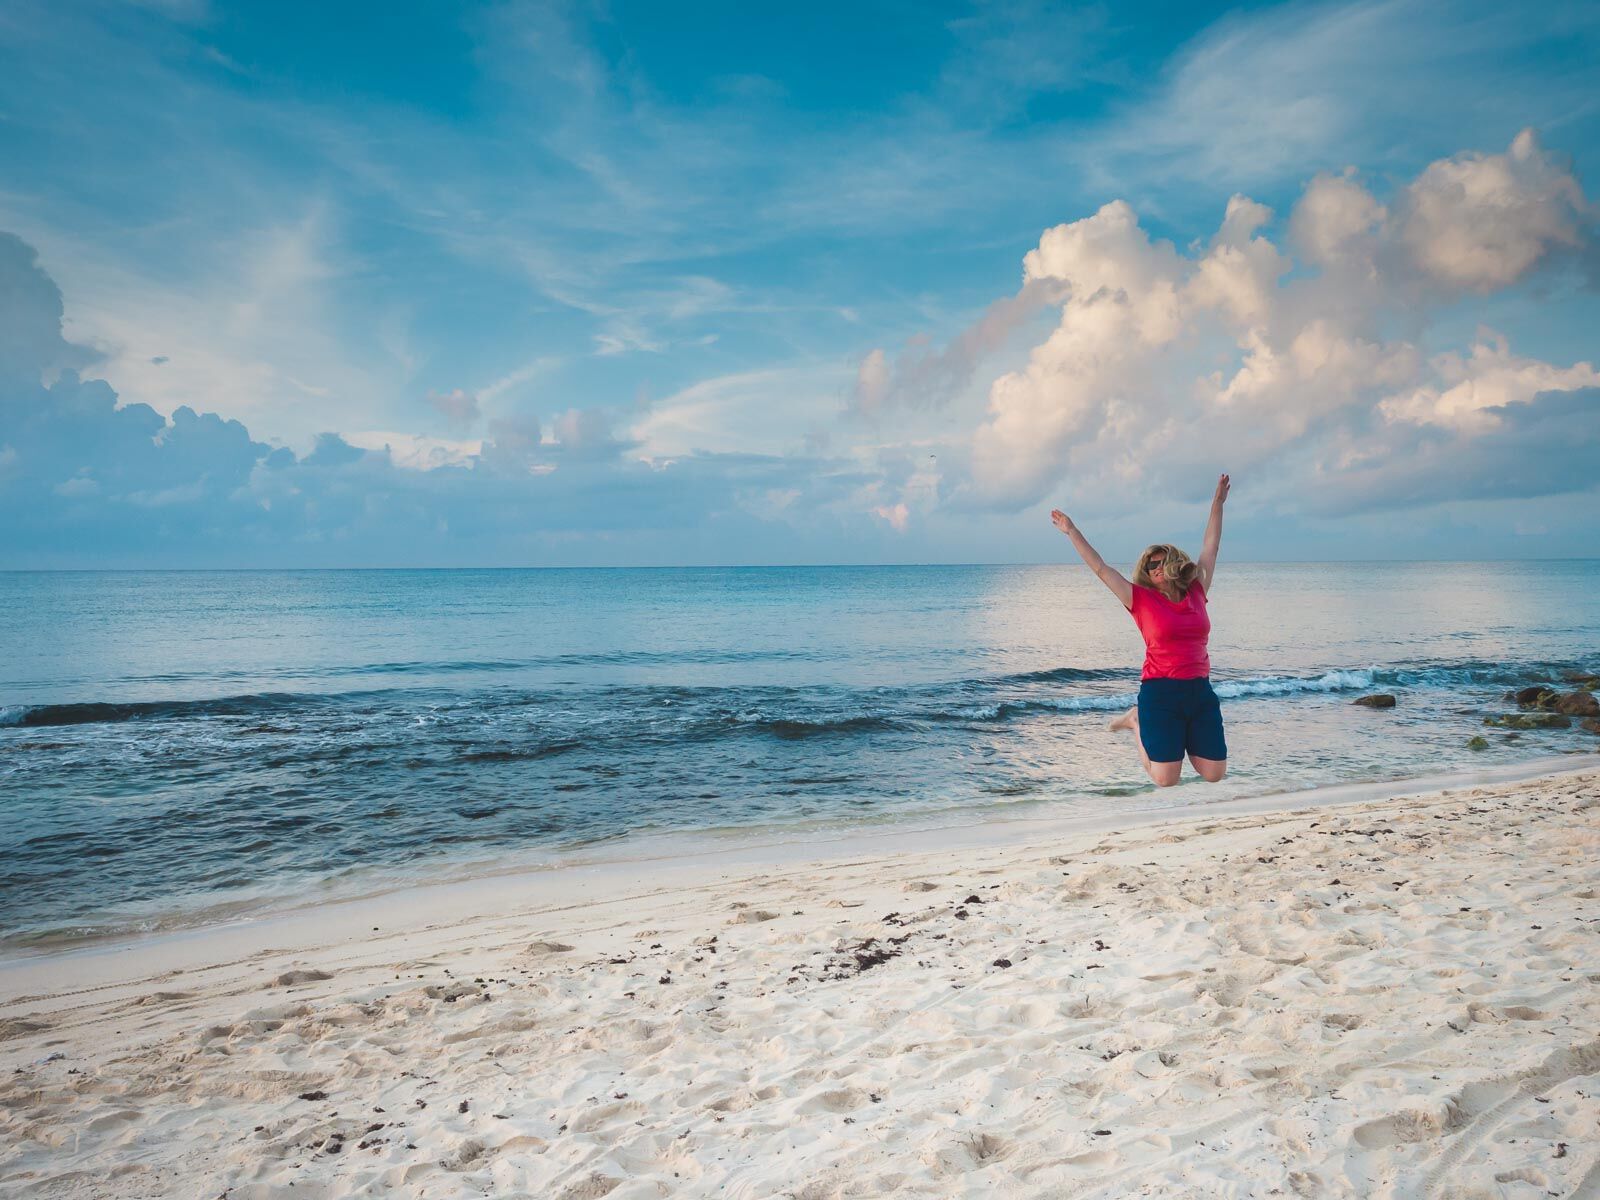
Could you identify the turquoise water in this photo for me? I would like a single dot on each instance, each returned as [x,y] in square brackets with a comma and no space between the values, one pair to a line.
[176,747]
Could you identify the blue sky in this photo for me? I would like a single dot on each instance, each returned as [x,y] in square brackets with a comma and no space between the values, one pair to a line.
[641,283]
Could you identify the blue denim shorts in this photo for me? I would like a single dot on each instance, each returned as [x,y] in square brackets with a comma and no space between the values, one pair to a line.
[1178,716]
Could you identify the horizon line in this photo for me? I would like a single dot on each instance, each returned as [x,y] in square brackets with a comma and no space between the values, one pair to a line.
[1243,562]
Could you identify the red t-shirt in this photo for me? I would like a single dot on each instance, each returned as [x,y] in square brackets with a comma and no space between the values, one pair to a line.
[1175,634]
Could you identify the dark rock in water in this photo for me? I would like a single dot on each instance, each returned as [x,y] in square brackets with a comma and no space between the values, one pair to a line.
[1537,720]
[1536,697]
[1478,742]
[1590,724]
[1580,677]
[1382,700]
[1578,704]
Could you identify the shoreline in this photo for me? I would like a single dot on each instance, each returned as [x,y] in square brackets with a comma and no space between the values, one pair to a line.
[663,862]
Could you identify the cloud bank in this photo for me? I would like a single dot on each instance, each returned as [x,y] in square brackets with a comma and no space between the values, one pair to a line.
[86,481]
[1327,359]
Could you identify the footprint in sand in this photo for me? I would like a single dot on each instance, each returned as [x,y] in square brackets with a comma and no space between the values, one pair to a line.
[837,1100]
[159,998]
[1092,1158]
[465,1155]
[971,1153]
[290,978]
[590,1188]
[16,1027]
[1521,1012]
[1524,1175]
[540,949]
[1407,1126]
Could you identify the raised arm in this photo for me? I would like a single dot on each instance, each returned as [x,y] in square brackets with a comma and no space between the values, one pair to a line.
[1213,542]
[1107,575]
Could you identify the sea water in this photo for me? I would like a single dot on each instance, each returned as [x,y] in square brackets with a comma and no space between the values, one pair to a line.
[184,747]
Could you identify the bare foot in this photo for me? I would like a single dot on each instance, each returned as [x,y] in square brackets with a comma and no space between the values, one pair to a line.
[1128,720]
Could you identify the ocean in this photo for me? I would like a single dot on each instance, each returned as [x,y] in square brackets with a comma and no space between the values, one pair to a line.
[184,748]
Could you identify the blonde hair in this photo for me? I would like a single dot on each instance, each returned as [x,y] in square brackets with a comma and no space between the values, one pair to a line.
[1177,573]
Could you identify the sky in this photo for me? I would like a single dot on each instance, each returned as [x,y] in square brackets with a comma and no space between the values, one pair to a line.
[297,285]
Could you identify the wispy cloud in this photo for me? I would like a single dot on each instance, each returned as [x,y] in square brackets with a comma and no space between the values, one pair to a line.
[759,412]
[1266,97]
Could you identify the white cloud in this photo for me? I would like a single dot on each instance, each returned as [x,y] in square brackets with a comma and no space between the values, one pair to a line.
[414,452]
[1123,304]
[512,380]
[1489,377]
[756,412]
[626,338]
[1239,276]
[1117,394]
[1260,96]
[1480,222]
[78,485]
[253,335]
[1336,222]
[585,431]
[895,515]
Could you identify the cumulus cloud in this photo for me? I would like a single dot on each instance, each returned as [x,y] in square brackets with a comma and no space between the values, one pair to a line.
[1297,350]
[1165,366]
[1335,224]
[1471,392]
[1122,306]
[417,452]
[30,317]
[1480,222]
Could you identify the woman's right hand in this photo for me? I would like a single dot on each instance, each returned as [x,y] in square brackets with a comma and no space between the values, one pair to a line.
[1060,520]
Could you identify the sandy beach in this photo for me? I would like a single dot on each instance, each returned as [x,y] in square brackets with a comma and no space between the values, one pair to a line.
[1397,997]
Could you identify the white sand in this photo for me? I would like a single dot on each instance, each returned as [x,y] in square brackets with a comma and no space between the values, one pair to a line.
[1398,998]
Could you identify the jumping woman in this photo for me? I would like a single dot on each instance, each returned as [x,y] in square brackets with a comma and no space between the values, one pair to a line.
[1177,710]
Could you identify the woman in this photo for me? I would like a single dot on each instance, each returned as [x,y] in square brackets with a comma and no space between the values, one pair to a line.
[1177,710]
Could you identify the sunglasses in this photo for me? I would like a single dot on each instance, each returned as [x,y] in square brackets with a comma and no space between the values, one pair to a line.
[1154,564]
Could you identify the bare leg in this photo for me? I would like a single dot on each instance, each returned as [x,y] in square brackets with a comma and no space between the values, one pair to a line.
[1161,774]
[1211,769]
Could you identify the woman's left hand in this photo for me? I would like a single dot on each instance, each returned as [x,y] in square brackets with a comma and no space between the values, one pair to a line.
[1222,491]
